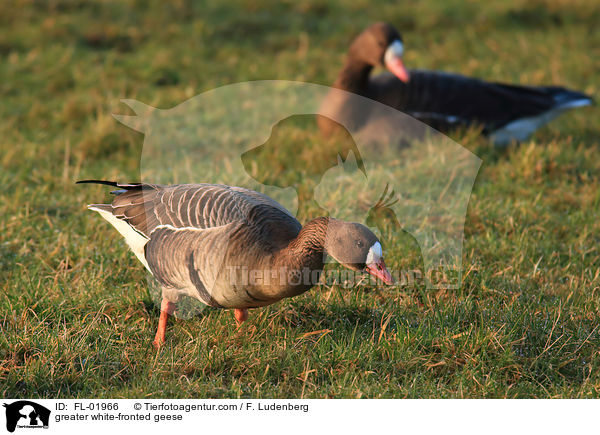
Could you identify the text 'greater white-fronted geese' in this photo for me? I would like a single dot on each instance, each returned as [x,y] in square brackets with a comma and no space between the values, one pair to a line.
[231,247]
[443,100]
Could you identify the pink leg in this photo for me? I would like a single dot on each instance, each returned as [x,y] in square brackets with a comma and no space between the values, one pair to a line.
[166,308]
[241,315]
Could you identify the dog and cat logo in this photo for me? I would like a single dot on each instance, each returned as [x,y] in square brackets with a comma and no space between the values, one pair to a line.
[25,414]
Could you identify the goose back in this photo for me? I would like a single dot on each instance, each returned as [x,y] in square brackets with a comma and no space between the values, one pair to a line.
[201,206]
[444,100]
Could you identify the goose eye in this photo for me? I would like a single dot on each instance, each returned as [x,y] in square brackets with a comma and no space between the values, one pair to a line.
[359,243]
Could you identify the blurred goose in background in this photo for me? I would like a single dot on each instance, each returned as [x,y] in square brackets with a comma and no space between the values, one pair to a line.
[231,247]
[442,100]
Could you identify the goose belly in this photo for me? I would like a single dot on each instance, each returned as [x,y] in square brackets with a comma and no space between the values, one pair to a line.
[241,287]
[521,129]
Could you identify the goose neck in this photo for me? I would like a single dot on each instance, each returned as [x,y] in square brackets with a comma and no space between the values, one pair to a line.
[308,248]
[354,76]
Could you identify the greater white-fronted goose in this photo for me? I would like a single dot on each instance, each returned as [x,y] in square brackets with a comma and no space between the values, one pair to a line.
[231,247]
[443,100]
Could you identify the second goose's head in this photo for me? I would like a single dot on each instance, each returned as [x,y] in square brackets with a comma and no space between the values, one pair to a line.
[356,247]
[381,44]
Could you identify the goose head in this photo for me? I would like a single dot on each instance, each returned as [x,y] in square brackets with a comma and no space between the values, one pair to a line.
[356,247]
[381,45]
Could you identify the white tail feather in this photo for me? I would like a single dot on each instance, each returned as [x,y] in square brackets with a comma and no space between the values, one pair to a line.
[521,129]
[135,240]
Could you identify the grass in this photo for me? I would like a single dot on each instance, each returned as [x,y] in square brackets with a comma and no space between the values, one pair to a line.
[76,316]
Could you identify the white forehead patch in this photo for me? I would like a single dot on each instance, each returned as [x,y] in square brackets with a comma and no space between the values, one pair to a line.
[375,253]
[394,50]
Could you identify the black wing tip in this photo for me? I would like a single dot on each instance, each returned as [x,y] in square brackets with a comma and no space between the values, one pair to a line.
[111,183]
[105,182]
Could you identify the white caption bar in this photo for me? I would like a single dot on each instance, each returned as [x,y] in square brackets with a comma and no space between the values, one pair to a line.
[152,416]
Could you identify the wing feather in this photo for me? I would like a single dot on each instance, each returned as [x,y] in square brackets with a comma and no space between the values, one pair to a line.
[146,207]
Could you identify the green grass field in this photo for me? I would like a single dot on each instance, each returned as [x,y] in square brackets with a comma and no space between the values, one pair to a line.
[76,317]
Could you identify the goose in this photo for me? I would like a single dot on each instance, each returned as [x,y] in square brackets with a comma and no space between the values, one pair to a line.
[231,247]
[442,100]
